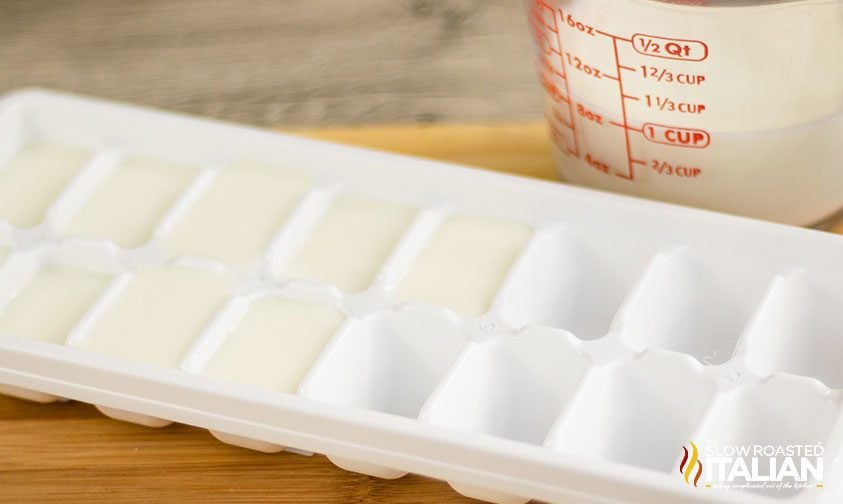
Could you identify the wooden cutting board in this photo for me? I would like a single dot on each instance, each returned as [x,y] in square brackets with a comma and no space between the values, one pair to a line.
[68,452]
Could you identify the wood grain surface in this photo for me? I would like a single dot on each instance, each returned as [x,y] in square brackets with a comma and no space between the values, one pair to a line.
[68,452]
[270,62]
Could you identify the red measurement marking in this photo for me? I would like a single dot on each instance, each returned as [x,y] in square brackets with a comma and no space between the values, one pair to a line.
[669,48]
[552,89]
[544,26]
[668,169]
[597,164]
[560,139]
[679,137]
[577,25]
[589,114]
[615,123]
[667,76]
[558,116]
[666,104]
[546,67]
[648,45]
[578,64]
[631,174]
[576,149]
[612,36]
[538,27]
[545,10]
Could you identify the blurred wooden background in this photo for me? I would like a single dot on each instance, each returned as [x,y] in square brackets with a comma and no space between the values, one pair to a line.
[281,62]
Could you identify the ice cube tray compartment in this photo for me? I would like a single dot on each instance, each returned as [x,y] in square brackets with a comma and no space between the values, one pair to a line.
[42,286]
[388,362]
[217,224]
[608,419]
[33,179]
[131,201]
[694,303]
[781,410]
[398,316]
[463,264]
[155,314]
[510,386]
[574,279]
[64,282]
[365,230]
[271,344]
[799,329]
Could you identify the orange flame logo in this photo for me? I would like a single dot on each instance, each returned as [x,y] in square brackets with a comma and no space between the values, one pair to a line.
[691,464]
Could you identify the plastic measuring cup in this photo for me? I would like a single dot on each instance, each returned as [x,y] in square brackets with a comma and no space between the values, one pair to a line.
[734,106]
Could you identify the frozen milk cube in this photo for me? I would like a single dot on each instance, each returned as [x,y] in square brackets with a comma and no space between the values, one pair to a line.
[464,264]
[129,205]
[236,218]
[275,343]
[52,303]
[33,180]
[351,243]
[157,315]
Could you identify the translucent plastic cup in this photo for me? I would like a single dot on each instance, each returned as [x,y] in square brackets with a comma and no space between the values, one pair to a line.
[734,106]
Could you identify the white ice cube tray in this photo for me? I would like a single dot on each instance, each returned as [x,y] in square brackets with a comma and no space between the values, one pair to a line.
[516,338]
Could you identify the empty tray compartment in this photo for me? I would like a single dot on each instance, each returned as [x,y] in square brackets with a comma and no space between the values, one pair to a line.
[511,387]
[638,412]
[799,329]
[574,279]
[694,302]
[781,411]
[388,362]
